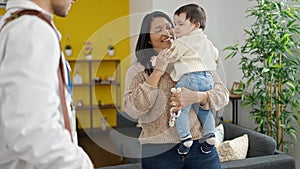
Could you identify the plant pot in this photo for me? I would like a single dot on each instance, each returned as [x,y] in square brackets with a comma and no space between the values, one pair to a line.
[111,52]
[68,52]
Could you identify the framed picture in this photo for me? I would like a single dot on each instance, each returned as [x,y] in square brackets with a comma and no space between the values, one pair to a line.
[3,3]
[235,88]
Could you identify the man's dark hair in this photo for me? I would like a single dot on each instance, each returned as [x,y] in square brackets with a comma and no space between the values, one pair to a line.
[193,12]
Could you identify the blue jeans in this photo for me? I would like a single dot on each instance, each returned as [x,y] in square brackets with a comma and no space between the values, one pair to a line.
[170,159]
[196,81]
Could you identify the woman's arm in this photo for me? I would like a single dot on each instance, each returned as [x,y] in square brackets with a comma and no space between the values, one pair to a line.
[155,77]
[215,99]
[142,94]
[218,96]
[142,91]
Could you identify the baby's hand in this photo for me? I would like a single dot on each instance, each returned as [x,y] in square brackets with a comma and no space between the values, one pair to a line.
[170,52]
[174,114]
[153,61]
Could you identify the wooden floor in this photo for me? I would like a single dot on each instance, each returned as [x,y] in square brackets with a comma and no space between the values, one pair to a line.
[99,147]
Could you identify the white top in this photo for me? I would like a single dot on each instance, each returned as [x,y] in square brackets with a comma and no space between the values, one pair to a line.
[32,132]
[194,53]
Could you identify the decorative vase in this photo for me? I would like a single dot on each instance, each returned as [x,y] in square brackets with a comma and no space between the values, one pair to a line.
[77,79]
[103,123]
[79,102]
[89,57]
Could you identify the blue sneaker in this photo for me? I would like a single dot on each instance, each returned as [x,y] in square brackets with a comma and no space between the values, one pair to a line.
[208,143]
[185,146]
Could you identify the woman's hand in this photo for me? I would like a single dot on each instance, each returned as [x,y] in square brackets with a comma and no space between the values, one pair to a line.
[187,97]
[161,63]
[165,57]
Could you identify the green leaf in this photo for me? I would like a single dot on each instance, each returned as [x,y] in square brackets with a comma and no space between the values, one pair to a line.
[278,66]
[291,15]
[290,22]
[285,39]
[271,58]
[265,70]
[234,47]
[230,55]
[294,30]
[248,32]
[291,85]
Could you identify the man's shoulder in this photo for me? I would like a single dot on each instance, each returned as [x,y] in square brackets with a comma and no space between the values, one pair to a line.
[28,23]
[29,29]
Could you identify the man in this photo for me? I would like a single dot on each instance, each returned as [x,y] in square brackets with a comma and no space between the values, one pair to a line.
[32,123]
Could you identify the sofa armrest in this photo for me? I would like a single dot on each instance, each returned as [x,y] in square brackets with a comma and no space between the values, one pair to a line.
[124,166]
[125,135]
[126,142]
[280,161]
[259,144]
[124,120]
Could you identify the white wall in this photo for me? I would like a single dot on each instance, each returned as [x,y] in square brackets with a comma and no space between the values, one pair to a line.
[230,31]
[137,9]
[226,20]
[295,152]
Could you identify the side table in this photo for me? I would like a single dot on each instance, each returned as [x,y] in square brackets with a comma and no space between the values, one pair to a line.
[235,111]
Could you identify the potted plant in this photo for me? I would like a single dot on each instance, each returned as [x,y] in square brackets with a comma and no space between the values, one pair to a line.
[269,59]
[88,49]
[68,47]
[110,50]
[68,50]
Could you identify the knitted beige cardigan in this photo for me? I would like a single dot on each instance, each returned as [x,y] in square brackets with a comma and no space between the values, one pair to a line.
[149,104]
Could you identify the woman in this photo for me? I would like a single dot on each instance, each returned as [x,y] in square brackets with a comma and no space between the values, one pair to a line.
[148,98]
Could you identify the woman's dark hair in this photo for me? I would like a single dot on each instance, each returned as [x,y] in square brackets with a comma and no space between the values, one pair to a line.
[193,12]
[144,49]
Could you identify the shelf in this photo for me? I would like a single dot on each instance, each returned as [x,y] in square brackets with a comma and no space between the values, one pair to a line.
[107,84]
[82,108]
[84,84]
[91,90]
[97,84]
[95,60]
[107,106]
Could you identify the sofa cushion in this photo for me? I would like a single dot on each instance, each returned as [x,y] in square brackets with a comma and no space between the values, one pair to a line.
[219,132]
[259,144]
[233,149]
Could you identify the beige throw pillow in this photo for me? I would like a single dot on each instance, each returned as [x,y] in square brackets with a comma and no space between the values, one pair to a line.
[233,149]
[219,133]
